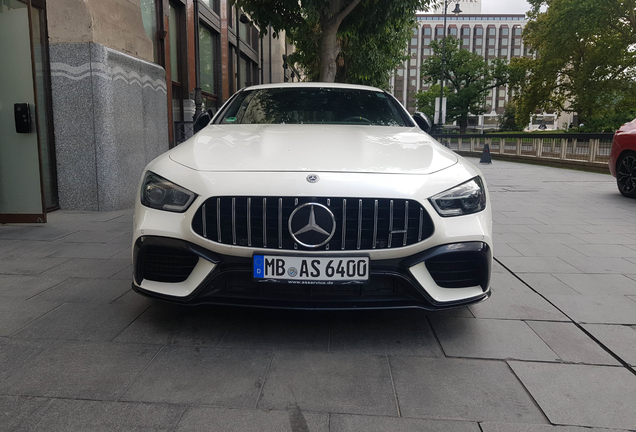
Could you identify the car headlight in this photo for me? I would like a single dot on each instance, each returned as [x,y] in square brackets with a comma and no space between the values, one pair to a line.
[467,198]
[162,194]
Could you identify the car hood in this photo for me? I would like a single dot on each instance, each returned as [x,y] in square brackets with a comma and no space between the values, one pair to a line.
[320,148]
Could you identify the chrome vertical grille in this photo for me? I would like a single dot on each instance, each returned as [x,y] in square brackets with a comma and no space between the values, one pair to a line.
[361,223]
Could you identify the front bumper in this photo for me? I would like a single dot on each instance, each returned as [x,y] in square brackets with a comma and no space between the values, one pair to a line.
[442,277]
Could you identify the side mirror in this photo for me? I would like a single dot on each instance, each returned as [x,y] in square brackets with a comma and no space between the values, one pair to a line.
[423,121]
[202,121]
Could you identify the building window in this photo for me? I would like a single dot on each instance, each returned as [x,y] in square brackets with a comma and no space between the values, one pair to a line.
[452,31]
[413,83]
[491,31]
[413,52]
[400,72]
[426,51]
[412,72]
[207,62]
[465,42]
[502,92]
[478,41]
[414,41]
[504,31]
[427,41]
[215,5]
[427,31]
[439,31]
[517,52]
[491,42]
[517,31]
[491,52]
[479,31]
[466,31]
[504,41]
[504,51]
[398,94]
[478,51]
[517,42]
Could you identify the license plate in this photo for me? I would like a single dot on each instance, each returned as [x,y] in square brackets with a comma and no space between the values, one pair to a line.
[311,270]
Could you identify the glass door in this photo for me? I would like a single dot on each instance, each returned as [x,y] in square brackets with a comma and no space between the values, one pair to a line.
[27,185]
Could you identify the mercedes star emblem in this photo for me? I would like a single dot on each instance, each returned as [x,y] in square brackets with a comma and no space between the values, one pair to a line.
[313,178]
[312,225]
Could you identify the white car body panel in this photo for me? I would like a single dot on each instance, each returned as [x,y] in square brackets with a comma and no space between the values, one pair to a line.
[358,161]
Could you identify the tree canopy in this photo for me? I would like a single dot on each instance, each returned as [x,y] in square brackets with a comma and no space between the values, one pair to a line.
[354,41]
[468,78]
[586,60]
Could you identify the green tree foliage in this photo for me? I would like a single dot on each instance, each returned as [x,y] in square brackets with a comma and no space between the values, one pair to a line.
[354,41]
[507,120]
[586,61]
[468,76]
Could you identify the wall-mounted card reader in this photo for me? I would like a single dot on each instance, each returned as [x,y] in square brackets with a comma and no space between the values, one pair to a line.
[22,117]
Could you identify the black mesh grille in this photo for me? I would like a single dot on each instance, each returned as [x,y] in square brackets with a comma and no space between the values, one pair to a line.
[166,264]
[457,270]
[243,220]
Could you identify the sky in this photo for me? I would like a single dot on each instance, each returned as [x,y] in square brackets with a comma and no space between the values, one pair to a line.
[504,6]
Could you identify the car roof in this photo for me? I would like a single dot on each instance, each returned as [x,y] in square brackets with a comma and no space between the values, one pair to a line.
[314,85]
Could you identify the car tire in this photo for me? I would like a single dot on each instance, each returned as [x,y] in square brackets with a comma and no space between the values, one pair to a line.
[626,174]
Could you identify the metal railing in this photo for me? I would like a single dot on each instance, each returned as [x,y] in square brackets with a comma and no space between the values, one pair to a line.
[588,149]
[182,131]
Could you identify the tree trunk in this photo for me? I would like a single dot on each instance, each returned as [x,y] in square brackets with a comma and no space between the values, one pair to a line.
[329,51]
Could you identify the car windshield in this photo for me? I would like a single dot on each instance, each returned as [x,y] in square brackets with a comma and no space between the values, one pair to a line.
[314,105]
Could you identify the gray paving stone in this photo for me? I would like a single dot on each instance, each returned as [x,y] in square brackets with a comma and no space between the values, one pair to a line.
[598,309]
[491,339]
[29,249]
[15,314]
[538,264]
[93,236]
[460,389]
[29,266]
[124,274]
[540,250]
[506,304]
[505,250]
[80,370]
[518,427]
[620,339]
[571,344]
[599,284]
[552,239]
[606,238]
[88,250]
[15,352]
[384,332]
[80,290]
[581,395]
[559,229]
[600,264]
[231,420]
[16,411]
[63,415]
[329,382]
[86,268]
[347,423]
[605,250]
[168,324]
[503,228]
[548,285]
[42,232]
[200,375]
[24,287]
[87,322]
[271,329]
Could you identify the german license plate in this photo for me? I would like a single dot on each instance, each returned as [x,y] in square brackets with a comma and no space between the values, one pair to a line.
[311,270]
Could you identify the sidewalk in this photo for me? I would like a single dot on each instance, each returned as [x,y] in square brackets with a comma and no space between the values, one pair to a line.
[554,345]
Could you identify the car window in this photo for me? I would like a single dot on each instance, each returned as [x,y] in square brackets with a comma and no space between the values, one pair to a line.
[314,105]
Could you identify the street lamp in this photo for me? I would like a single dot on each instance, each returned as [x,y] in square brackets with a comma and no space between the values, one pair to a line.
[456,11]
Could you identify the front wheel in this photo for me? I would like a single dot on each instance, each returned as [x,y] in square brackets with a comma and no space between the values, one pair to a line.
[626,175]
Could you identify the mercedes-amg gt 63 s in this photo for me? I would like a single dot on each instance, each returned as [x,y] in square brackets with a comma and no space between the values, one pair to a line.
[313,195]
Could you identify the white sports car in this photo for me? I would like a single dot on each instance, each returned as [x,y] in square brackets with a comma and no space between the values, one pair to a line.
[313,195]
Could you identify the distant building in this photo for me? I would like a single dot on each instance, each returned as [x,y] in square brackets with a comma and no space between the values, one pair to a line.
[491,36]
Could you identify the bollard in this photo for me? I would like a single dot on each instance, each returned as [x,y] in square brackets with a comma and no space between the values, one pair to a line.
[485,156]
